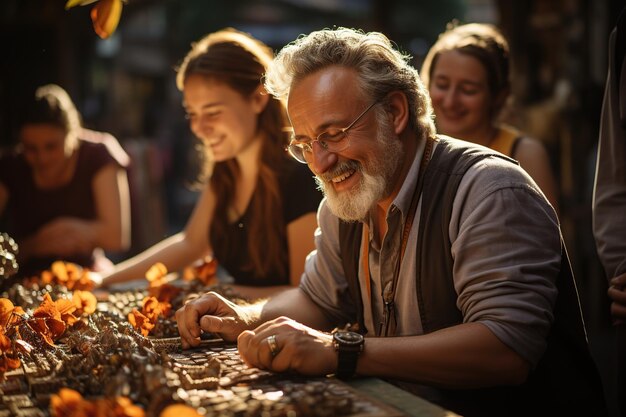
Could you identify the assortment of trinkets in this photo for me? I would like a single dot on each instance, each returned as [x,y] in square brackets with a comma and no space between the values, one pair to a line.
[8,258]
[62,354]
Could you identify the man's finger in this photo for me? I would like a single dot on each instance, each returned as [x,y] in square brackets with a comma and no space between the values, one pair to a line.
[226,327]
[243,346]
[188,327]
[212,324]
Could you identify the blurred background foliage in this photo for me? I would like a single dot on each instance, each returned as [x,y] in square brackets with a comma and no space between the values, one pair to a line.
[125,84]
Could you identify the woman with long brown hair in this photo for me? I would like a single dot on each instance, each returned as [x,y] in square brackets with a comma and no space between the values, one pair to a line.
[256,213]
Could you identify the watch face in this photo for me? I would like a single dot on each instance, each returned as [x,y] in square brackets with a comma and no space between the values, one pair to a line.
[349,338]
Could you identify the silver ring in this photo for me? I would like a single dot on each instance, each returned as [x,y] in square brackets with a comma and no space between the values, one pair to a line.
[271,342]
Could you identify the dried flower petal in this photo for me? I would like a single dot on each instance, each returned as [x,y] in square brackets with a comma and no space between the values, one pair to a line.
[204,270]
[164,293]
[8,363]
[48,320]
[7,310]
[156,273]
[59,271]
[9,314]
[70,403]
[179,410]
[125,408]
[5,343]
[65,306]
[140,322]
[207,271]
[70,275]
[47,277]
[85,302]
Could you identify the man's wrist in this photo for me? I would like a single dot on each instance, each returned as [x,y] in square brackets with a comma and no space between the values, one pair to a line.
[349,346]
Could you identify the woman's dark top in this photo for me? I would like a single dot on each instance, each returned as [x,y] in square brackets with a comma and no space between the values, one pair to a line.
[29,207]
[300,196]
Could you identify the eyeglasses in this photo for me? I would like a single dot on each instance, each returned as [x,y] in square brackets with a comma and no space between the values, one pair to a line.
[333,140]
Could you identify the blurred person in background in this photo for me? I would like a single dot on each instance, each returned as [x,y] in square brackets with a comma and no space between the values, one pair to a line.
[609,197]
[256,212]
[467,73]
[64,189]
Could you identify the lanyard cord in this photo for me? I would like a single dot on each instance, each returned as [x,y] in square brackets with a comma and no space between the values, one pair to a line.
[390,289]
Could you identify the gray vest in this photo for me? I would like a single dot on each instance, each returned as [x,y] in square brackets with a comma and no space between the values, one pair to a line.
[566,380]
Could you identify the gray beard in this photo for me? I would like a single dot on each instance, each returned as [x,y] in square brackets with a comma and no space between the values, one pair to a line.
[376,181]
[354,205]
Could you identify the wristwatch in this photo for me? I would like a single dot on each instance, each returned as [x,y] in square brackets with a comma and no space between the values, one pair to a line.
[348,346]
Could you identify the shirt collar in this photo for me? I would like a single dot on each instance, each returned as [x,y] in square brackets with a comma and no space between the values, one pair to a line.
[402,201]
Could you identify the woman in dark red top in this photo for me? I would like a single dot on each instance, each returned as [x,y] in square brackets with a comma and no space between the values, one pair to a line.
[63,189]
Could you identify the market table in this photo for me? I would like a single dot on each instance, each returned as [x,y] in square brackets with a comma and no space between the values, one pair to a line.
[213,379]
[103,356]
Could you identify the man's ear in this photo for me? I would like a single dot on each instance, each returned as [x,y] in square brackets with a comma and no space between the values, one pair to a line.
[398,108]
[259,99]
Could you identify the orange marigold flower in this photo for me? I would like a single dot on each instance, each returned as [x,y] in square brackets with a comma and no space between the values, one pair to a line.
[67,402]
[47,277]
[67,308]
[165,308]
[204,270]
[9,314]
[207,271]
[156,274]
[150,306]
[51,318]
[85,282]
[125,408]
[70,403]
[48,328]
[8,362]
[85,302]
[5,342]
[70,275]
[179,410]
[164,293]
[140,322]
[60,272]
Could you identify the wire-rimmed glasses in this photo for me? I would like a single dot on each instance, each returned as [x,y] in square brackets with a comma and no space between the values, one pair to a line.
[333,140]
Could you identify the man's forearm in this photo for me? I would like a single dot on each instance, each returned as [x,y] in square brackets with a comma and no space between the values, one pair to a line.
[464,356]
[295,304]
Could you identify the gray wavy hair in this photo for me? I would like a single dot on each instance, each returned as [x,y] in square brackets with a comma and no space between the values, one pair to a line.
[381,68]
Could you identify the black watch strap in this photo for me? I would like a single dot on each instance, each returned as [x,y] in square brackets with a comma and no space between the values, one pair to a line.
[346,366]
[349,346]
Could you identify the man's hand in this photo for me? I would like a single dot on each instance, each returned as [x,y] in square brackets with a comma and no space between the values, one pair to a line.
[283,345]
[617,294]
[211,313]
